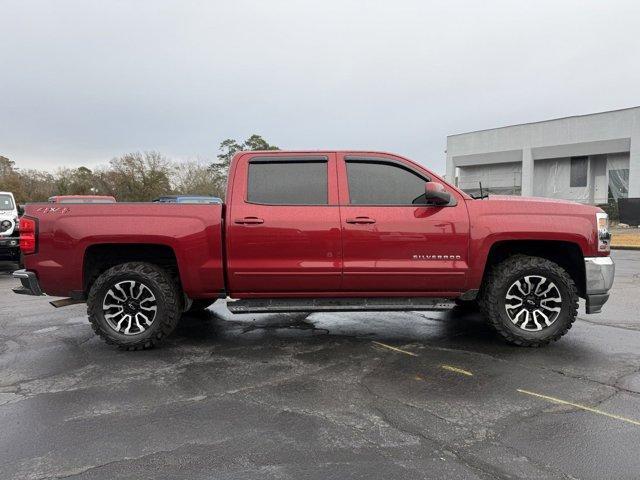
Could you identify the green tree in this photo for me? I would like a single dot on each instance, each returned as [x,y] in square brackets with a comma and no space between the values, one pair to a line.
[82,182]
[76,181]
[229,147]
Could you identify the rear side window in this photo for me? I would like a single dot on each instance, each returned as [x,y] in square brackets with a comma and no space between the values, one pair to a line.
[377,183]
[288,183]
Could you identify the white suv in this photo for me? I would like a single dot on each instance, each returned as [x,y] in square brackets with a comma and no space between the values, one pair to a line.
[9,241]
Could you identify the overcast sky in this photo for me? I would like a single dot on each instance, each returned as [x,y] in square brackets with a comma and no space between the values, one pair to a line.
[84,81]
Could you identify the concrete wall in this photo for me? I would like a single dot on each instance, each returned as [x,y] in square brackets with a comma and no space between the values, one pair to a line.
[552,179]
[502,177]
[596,134]
[598,179]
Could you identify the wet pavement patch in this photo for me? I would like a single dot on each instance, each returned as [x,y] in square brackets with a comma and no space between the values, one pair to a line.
[359,395]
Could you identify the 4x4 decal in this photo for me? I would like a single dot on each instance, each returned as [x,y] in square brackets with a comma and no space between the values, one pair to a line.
[61,210]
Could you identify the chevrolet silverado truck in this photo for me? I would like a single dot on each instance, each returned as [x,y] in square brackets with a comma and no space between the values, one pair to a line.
[321,231]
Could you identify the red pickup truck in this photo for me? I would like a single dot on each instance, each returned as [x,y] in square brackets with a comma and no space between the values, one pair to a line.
[321,231]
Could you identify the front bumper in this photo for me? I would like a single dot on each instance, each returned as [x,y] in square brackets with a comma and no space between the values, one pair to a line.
[599,273]
[30,285]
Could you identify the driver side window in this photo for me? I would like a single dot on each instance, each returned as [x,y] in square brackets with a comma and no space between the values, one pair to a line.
[379,183]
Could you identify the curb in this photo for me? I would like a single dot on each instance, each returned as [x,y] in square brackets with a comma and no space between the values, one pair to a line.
[629,247]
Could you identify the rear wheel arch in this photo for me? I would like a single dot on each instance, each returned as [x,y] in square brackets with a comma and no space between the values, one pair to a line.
[98,258]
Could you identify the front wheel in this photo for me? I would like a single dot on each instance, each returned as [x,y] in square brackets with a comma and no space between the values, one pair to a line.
[134,305]
[529,301]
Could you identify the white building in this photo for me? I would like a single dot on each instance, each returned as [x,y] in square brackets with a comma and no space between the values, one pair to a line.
[586,158]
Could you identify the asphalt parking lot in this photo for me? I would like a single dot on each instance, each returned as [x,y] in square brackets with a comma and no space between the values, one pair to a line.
[369,395]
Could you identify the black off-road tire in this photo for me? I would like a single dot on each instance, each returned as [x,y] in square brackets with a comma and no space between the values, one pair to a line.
[200,305]
[165,290]
[501,277]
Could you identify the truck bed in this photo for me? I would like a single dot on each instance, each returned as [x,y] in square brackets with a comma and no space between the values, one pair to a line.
[66,234]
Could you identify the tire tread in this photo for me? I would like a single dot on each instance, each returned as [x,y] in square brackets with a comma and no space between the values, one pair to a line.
[162,279]
[490,301]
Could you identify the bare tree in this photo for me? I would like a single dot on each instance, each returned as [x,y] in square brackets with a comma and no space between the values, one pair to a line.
[136,177]
[6,167]
[133,177]
[35,186]
[198,178]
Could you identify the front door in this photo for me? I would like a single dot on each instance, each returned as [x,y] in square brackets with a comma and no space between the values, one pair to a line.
[283,226]
[393,242]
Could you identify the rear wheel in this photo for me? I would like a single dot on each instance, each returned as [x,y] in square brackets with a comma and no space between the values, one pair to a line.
[529,301]
[134,305]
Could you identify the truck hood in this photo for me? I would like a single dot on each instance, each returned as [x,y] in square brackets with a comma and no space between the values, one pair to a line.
[534,205]
[531,207]
[513,198]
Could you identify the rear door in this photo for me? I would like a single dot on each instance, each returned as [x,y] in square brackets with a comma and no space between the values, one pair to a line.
[392,241]
[283,227]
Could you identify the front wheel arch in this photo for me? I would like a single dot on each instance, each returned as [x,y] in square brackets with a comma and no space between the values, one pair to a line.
[566,254]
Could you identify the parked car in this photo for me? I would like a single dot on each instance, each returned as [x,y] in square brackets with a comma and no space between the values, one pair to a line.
[9,240]
[187,199]
[322,231]
[82,199]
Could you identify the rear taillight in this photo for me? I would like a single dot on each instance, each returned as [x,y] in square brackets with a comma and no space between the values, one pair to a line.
[27,235]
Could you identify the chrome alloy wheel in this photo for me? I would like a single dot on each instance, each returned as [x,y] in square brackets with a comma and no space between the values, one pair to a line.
[533,303]
[129,307]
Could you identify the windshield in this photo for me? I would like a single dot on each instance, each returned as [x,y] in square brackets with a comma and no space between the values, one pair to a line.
[6,202]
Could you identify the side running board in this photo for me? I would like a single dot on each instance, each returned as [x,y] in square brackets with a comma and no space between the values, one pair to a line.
[271,305]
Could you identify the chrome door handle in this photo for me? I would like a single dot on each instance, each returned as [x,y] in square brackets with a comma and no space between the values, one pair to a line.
[248,221]
[360,220]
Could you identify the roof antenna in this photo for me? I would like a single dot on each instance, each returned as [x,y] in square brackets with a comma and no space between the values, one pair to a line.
[481,194]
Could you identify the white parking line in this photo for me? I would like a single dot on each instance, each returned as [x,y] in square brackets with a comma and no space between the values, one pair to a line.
[581,407]
[395,348]
[457,370]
